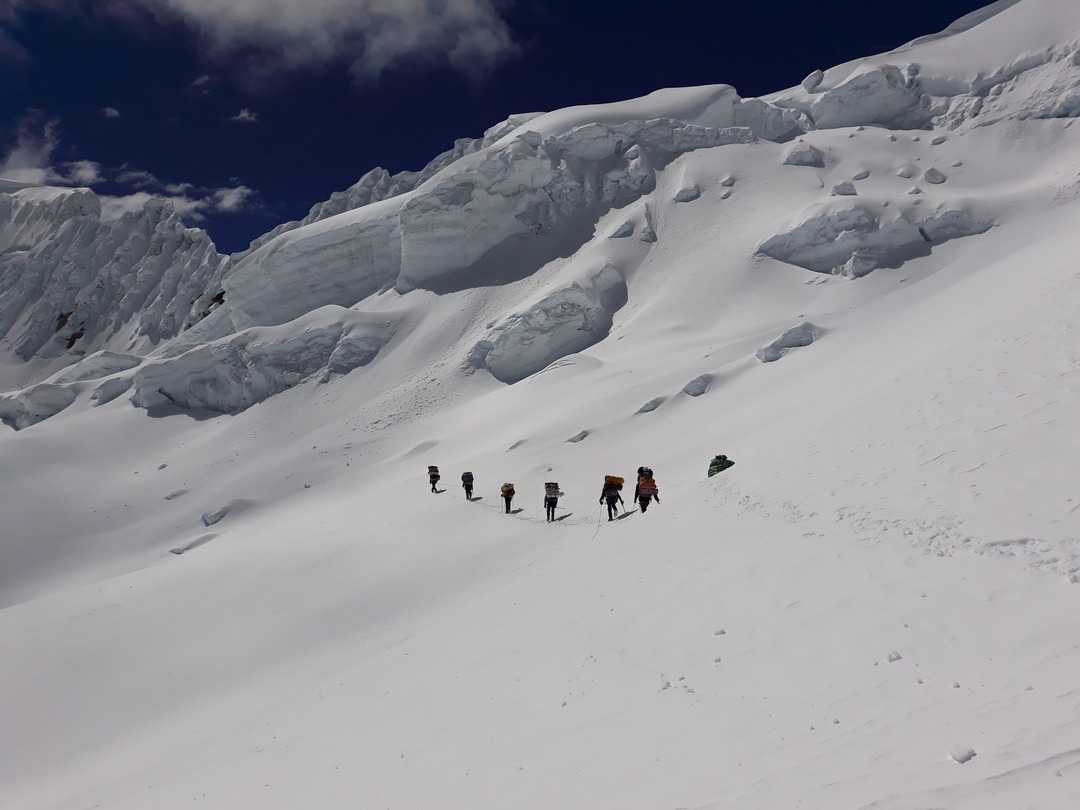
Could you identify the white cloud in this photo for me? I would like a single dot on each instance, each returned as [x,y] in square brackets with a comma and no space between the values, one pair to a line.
[373,35]
[203,85]
[192,203]
[80,172]
[110,112]
[29,159]
[137,178]
[233,199]
[245,116]
[177,188]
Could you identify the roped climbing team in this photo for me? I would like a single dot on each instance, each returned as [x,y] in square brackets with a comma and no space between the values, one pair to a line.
[645,491]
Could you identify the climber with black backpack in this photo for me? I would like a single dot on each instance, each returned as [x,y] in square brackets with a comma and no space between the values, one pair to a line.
[646,488]
[551,498]
[467,482]
[610,493]
[433,477]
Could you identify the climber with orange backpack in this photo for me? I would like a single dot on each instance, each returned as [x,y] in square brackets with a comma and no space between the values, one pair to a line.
[507,491]
[610,493]
[646,488]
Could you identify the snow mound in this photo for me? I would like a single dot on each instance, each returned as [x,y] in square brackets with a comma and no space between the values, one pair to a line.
[233,373]
[110,390]
[802,335]
[688,194]
[934,176]
[95,366]
[885,96]
[854,240]
[803,154]
[234,507]
[698,386]
[652,405]
[34,404]
[562,323]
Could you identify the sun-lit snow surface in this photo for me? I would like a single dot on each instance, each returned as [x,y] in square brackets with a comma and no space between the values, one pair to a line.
[876,607]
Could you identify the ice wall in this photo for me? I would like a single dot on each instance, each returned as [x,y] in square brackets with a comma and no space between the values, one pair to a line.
[71,283]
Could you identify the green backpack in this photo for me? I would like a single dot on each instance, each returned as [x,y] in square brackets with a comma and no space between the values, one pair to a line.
[719,464]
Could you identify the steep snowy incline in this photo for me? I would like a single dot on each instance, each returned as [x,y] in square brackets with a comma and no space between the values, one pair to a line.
[847,617]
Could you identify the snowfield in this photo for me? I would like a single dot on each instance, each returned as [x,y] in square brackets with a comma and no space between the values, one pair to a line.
[225,583]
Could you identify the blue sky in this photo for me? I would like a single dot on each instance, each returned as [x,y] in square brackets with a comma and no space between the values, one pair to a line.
[247,112]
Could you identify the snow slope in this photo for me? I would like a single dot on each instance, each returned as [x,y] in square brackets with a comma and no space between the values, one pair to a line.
[875,607]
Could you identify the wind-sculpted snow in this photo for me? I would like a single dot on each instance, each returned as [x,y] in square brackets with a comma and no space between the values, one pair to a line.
[802,335]
[20,409]
[884,96]
[958,78]
[562,323]
[489,218]
[25,408]
[378,184]
[95,366]
[71,283]
[542,202]
[233,373]
[804,154]
[852,240]
[301,271]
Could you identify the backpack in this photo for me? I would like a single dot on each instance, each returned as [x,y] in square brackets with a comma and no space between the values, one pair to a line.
[644,472]
[647,486]
[611,489]
[507,489]
[719,464]
[432,470]
[551,489]
[614,480]
[466,478]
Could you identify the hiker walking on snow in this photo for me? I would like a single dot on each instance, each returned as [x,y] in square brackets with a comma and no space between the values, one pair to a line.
[610,493]
[467,482]
[508,495]
[433,477]
[551,498]
[646,489]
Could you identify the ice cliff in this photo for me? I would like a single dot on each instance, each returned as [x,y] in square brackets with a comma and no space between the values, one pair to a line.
[71,283]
